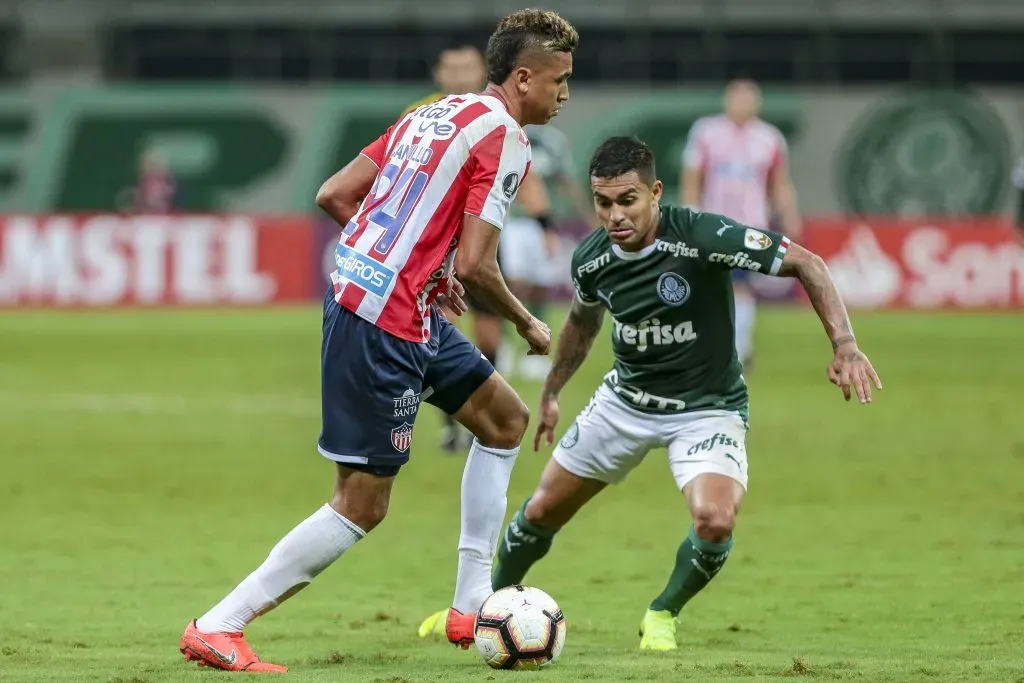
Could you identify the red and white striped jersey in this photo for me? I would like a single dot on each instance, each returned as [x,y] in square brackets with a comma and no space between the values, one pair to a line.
[463,154]
[736,162]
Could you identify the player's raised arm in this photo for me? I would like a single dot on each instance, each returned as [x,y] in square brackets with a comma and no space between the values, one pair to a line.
[850,366]
[724,243]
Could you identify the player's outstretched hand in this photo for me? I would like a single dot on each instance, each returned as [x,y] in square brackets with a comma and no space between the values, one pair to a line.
[538,335]
[451,300]
[547,420]
[851,371]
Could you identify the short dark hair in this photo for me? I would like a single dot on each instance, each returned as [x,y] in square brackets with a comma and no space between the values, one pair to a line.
[527,29]
[621,154]
[456,45]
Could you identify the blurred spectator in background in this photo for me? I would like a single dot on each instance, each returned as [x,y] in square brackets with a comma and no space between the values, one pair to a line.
[155,190]
[459,69]
[736,164]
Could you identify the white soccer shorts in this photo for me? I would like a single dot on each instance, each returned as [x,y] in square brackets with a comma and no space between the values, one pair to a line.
[609,438]
[523,256]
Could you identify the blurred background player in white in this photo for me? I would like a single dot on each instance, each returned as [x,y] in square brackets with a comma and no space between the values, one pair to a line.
[736,164]
[530,243]
[460,68]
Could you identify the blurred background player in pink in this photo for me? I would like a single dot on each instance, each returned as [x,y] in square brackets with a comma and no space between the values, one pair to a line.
[736,164]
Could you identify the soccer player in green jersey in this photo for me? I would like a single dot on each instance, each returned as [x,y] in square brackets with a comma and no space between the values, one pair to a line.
[662,272]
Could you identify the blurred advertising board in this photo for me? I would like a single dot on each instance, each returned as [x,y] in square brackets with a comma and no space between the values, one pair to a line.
[922,264]
[110,260]
[98,260]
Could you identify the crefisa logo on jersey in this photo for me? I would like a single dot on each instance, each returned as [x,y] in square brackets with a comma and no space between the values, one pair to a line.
[673,289]
[401,437]
[510,183]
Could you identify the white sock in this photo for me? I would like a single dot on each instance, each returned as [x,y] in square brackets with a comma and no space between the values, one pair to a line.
[484,487]
[303,553]
[746,311]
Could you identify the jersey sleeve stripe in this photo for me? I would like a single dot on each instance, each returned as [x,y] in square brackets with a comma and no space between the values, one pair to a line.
[780,254]
[367,157]
[582,302]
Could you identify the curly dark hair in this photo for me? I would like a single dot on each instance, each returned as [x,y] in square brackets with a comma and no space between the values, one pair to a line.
[621,154]
[524,30]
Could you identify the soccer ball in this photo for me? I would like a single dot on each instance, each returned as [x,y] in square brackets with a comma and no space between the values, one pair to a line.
[520,627]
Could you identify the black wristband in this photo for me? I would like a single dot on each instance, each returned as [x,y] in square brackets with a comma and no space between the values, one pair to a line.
[545,222]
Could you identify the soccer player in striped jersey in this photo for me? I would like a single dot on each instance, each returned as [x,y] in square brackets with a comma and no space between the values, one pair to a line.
[423,203]
[460,68]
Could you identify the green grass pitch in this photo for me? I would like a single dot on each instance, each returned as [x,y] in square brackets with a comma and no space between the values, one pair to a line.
[150,460]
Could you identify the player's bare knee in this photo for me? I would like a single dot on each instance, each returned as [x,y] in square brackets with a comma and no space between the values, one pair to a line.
[361,498]
[714,522]
[365,513]
[506,429]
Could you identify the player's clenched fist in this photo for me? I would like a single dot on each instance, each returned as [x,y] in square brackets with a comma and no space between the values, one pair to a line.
[538,335]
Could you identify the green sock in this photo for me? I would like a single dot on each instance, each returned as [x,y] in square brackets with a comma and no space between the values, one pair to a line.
[697,562]
[522,545]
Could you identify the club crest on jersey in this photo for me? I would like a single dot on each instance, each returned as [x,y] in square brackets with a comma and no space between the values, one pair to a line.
[756,240]
[571,437]
[673,289]
[510,183]
[401,437]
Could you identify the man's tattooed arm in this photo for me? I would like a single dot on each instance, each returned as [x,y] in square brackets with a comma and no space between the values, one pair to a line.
[574,342]
[814,275]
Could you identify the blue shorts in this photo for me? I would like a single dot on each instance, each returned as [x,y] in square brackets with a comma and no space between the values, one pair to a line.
[371,385]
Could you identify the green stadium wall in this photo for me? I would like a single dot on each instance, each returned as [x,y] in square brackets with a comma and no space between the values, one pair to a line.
[250,149]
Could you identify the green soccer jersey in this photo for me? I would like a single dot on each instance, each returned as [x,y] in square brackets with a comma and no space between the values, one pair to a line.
[671,303]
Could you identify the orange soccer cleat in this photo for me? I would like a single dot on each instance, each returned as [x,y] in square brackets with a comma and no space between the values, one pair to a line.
[227,651]
[460,628]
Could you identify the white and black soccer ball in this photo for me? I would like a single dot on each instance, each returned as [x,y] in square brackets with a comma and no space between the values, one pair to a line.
[520,627]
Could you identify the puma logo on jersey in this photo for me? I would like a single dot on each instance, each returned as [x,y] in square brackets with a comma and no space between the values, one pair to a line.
[725,226]
[607,298]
